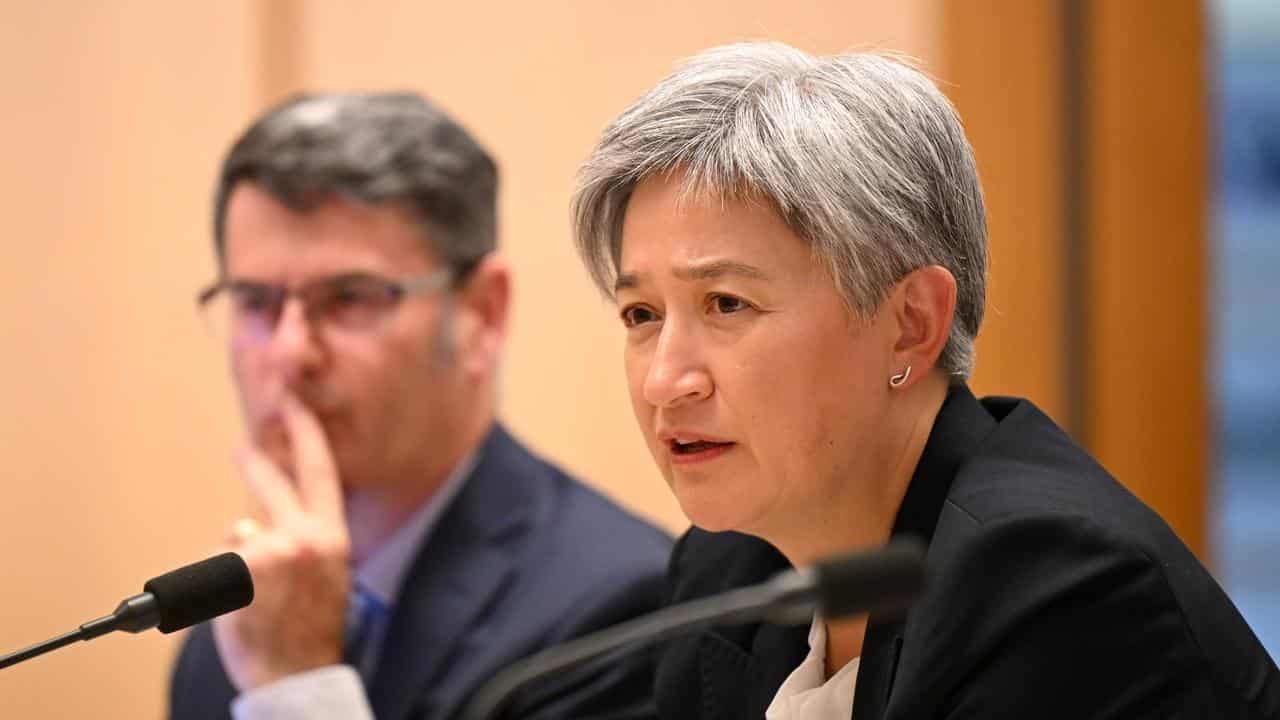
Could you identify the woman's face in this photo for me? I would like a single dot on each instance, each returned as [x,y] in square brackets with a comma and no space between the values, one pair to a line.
[758,392]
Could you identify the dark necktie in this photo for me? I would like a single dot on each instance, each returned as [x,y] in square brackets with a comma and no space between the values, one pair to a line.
[365,612]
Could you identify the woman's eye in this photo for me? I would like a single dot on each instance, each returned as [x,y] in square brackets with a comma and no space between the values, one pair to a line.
[726,304]
[637,315]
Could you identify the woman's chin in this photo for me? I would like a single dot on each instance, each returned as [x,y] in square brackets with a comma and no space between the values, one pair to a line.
[713,511]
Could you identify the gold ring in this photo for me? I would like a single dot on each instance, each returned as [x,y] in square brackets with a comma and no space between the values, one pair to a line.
[245,528]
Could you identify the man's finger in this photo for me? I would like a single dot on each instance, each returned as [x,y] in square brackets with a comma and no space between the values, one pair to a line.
[313,466]
[270,486]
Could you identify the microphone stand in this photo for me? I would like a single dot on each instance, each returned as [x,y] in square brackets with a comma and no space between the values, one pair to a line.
[134,614]
[49,645]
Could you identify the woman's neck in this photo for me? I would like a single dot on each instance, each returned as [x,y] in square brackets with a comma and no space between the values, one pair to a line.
[844,642]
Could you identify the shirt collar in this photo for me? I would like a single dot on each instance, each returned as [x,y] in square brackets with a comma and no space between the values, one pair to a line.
[808,692]
[382,573]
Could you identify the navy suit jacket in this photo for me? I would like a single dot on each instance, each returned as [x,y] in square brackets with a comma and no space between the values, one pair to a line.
[1052,593]
[523,558]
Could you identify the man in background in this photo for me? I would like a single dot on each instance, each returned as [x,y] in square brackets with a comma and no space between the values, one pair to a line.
[405,547]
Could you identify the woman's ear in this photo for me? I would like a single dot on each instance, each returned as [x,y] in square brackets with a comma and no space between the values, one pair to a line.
[924,304]
[484,306]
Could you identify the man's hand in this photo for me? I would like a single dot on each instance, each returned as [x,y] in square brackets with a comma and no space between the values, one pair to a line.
[299,562]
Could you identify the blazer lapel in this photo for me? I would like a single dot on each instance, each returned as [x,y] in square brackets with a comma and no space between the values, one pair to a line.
[737,683]
[456,575]
[880,649]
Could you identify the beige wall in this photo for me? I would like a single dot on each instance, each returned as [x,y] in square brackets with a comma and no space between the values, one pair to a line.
[119,417]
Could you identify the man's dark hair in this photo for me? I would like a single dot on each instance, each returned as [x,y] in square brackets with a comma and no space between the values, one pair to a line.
[375,148]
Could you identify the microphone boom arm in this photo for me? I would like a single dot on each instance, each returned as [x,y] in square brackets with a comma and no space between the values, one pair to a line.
[735,607]
[883,580]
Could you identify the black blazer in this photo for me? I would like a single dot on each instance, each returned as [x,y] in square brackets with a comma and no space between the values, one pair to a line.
[1053,593]
[523,558]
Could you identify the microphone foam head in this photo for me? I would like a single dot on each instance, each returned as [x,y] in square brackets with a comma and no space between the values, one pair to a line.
[881,581]
[201,591]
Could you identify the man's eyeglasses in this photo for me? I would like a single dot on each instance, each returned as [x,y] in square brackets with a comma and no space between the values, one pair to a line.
[354,302]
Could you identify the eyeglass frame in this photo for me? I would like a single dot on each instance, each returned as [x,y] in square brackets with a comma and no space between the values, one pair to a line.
[396,289]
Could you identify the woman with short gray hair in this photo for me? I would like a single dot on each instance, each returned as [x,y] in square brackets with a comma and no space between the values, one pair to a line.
[797,248]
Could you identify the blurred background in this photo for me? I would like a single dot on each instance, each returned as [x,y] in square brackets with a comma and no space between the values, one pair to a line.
[1130,153]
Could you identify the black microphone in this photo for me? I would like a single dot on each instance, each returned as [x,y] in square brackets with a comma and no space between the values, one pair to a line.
[175,600]
[884,581]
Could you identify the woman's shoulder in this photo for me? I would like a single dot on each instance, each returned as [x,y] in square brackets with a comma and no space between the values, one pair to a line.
[1040,557]
[1030,469]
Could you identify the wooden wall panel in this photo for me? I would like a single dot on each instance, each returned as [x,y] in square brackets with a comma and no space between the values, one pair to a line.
[1003,70]
[1148,268]
[1112,346]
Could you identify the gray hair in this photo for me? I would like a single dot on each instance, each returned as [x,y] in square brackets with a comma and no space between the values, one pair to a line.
[860,155]
[375,148]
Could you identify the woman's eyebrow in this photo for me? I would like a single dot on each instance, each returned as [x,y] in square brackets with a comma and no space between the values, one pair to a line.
[704,270]
[711,269]
[626,281]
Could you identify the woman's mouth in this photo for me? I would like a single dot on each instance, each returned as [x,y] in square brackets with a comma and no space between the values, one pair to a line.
[697,451]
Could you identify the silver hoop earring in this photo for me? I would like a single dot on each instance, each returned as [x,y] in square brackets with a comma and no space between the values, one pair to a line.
[897,380]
